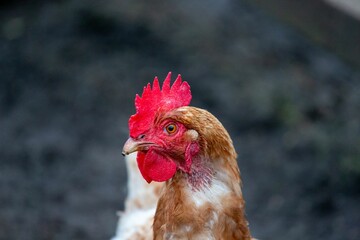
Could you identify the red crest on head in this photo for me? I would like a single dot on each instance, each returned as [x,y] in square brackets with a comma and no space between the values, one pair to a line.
[152,100]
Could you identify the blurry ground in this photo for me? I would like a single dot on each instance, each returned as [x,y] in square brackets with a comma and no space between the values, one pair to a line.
[69,71]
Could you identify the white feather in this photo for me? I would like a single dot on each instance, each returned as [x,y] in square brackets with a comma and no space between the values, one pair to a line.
[212,193]
[140,206]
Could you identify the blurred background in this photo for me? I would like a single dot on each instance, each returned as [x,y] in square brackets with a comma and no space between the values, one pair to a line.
[282,77]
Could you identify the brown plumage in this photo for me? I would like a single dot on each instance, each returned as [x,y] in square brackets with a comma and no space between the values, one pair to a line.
[177,215]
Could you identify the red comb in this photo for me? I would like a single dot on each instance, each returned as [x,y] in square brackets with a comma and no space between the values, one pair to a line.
[152,100]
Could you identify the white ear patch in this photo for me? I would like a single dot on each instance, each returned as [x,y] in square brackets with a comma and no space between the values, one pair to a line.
[192,135]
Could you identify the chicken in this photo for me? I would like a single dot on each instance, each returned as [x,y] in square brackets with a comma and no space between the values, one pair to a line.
[188,149]
[135,223]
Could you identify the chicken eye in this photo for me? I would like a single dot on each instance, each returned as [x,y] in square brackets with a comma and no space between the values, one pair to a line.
[171,128]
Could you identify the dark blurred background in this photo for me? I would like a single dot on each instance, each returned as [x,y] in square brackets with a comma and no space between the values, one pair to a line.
[282,77]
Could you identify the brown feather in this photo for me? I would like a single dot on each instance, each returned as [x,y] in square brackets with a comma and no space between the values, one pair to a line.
[178,215]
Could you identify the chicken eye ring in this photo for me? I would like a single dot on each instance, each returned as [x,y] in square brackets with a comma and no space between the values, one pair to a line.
[171,128]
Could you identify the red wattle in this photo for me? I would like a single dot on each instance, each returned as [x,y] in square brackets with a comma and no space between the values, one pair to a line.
[155,167]
[141,162]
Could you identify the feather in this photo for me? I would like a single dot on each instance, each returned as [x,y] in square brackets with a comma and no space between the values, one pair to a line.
[135,222]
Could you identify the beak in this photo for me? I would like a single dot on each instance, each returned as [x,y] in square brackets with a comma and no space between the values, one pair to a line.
[132,145]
